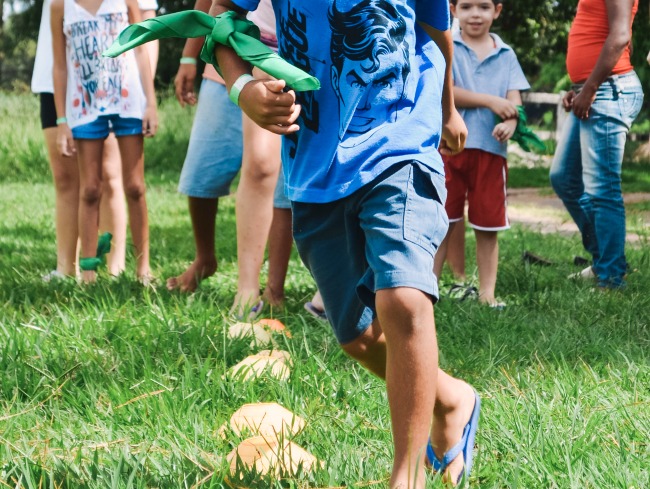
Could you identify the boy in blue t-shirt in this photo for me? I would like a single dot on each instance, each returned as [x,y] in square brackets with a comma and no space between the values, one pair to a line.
[365,178]
[487,83]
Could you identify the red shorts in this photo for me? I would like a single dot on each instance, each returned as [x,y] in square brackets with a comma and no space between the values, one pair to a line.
[480,177]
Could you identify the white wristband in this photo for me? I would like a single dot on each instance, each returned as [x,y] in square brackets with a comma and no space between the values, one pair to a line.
[238,86]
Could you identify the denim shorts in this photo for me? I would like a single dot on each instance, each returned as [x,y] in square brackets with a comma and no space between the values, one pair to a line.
[104,124]
[384,235]
[280,199]
[215,151]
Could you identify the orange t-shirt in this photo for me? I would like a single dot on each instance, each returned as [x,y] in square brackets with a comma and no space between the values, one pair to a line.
[587,37]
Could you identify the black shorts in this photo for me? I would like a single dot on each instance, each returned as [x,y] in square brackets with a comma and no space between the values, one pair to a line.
[48,110]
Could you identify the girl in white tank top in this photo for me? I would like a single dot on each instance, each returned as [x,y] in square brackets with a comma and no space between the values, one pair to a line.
[97,85]
[94,94]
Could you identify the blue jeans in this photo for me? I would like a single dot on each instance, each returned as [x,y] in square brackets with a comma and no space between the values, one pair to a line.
[586,173]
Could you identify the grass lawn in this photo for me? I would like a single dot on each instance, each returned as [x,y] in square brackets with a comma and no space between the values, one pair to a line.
[114,385]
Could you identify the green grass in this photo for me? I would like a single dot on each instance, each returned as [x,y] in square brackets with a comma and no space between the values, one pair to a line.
[635,178]
[23,157]
[114,385]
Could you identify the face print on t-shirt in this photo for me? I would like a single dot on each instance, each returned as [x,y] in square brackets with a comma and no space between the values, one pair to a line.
[370,65]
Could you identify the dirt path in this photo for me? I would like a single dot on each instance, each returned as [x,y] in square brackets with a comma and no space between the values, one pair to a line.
[543,212]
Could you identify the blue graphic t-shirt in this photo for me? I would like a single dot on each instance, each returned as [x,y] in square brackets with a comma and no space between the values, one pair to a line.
[381,88]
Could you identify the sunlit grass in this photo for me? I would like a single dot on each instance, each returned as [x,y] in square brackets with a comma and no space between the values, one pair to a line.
[114,385]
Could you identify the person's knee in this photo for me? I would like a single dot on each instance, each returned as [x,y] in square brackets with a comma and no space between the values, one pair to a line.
[363,346]
[262,171]
[404,306]
[91,193]
[66,182]
[112,186]
[134,191]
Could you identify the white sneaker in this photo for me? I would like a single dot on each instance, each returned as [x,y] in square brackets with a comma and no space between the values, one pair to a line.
[53,276]
[586,274]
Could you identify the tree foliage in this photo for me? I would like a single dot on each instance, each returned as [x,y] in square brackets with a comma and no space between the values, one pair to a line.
[538,33]
[537,30]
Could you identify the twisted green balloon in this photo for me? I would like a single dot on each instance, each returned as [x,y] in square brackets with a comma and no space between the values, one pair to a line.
[103,247]
[229,29]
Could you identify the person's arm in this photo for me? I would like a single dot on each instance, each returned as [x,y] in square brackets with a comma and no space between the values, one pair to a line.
[503,107]
[264,101]
[64,141]
[454,131]
[184,80]
[150,116]
[153,47]
[619,18]
[505,130]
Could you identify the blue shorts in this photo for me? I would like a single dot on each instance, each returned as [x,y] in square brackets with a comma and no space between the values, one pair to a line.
[280,199]
[102,126]
[383,236]
[214,154]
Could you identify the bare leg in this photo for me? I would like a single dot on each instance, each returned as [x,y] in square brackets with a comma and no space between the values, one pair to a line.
[203,213]
[453,409]
[280,244]
[487,259]
[406,317]
[131,150]
[112,213]
[65,174]
[89,155]
[259,174]
[448,251]
[407,357]
[456,250]
[317,301]
[441,254]
[153,47]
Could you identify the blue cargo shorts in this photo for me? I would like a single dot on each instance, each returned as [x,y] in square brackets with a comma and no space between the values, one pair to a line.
[384,235]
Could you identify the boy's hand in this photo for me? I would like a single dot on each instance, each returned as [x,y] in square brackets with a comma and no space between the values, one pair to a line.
[184,84]
[504,130]
[265,102]
[64,141]
[150,121]
[502,107]
[454,134]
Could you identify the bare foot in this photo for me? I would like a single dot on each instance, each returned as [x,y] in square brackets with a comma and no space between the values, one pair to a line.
[147,280]
[273,298]
[247,305]
[88,276]
[189,280]
[317,301]
[493,302]
[447,430]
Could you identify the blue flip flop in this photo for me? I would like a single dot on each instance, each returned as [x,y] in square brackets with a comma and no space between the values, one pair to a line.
[315,311]
[465,445]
